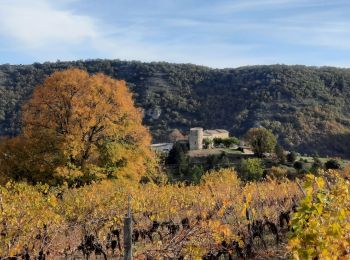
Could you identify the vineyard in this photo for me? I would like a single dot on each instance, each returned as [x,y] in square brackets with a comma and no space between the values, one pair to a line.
[220,216]
[81,179]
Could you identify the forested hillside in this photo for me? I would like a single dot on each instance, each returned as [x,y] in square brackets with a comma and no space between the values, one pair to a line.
[305,106]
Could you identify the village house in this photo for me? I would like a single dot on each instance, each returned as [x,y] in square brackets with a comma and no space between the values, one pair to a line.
[195,141]
[197,135]
[162,147]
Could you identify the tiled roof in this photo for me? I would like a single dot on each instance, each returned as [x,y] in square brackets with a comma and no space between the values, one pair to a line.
[214,131]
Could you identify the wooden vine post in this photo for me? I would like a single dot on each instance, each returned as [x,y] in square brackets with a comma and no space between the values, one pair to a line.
[128,233]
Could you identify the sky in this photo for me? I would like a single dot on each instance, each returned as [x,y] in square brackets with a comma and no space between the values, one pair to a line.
[214,33]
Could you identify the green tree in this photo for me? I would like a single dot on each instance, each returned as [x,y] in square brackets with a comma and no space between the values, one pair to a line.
[229,142]
[298,165]
[261,140]
[178,158]
[251,169]
[207,143]
[280,153]
[194,174]
[332,164]
[217,141]
[291,157]
[316,165]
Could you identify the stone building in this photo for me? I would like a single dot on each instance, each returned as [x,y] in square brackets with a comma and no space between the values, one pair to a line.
[162,147]
[215,133]
[195,138]
[197,134]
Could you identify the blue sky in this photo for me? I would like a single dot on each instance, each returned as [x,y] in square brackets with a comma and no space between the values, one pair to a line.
[215,33]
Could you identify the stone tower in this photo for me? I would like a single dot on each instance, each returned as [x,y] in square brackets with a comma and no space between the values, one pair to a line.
[196,138]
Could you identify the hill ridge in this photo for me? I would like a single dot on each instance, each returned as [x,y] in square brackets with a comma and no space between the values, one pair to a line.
[306,106]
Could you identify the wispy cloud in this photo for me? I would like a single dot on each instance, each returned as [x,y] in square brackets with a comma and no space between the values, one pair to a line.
[219,33]
[318,28]
[251,5]
[35,24]
[53,33]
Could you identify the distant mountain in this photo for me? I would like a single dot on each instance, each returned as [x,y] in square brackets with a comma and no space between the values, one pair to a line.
[307,107]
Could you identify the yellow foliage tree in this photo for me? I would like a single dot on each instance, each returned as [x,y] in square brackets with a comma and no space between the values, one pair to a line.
[83,128]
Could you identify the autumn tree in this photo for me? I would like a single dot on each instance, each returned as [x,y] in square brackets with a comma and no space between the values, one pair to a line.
[262,140]
[93,128]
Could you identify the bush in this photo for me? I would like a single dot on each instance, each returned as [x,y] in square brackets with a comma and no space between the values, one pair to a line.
[207,143]
[291,157]
[217,142]
[280,154]
[226,142]
[321,223]
[194,174]
[332,164]
[298,165]
[277,172]
[178,157]
[216,161]
[251,169]
[317,164]
[345,172]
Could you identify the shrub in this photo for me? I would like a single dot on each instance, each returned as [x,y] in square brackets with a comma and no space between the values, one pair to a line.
[298,165]
[207,143]
[291,157]
[178,157]
[332,164]
[194,174]
[321,223]
[217,161]
[217,141]
[226,142]
[345,172]
[280,154]
[317,164]
[251,169]
[277,172]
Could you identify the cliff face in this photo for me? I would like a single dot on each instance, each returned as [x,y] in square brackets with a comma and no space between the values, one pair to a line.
[306,107]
